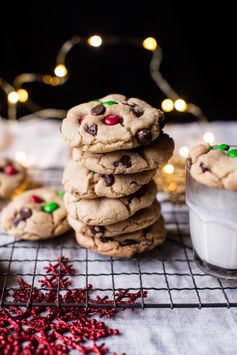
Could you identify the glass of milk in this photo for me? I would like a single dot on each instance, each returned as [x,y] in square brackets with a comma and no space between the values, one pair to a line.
[213,227]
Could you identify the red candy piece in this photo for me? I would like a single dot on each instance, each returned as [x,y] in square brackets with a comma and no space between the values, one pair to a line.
[10,170]
[111,120]
[81,119]
[36,199]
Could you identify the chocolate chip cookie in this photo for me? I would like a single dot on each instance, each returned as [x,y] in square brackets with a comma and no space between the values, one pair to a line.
[36,214]
[126,245]
[140,220]
[106,125]
[128,161]
[215,166]
[13,178]
[83,183]
[105,211]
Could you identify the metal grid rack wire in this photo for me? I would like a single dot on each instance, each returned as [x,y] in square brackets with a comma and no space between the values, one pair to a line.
[168,274]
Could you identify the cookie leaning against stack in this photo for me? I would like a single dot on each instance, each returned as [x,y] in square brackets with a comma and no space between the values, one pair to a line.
[110,197]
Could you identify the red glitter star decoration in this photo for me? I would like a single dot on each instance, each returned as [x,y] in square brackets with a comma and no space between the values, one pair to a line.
[43,330]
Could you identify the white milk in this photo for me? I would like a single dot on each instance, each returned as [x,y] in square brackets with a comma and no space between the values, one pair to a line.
[213,224]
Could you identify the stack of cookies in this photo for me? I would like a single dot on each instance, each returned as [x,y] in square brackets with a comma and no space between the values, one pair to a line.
[110,196]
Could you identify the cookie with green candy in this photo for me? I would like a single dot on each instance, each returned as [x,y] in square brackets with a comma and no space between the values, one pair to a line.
[36,214]
[112,123]
[214,166]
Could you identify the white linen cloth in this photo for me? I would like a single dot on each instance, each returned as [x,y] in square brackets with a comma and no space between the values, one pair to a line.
[149,331]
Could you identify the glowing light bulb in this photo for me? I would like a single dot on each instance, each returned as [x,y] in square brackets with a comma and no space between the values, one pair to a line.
[23,95]
[150,43]
[95,41]
[20,157]
[54,81]
[60,71]
[47,79]
[172,186]
[13,97]
[168,169]
[208,137]
[167,105]
[180,105]
[183,151]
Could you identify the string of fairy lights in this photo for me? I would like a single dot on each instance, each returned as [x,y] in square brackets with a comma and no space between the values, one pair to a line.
[17,93]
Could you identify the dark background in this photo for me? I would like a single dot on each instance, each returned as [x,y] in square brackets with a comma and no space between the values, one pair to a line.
[198,45]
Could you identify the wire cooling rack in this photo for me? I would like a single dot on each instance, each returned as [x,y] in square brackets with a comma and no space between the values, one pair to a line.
[168,273]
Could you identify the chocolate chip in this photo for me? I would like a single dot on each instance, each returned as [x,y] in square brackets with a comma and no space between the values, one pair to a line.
[132,104]
[127,242]
[97,230]
[162,121]
[91,129]
[138,112]
[144,136]
[22,215]
[98,110]
[125,161]
[203,167]
[25,212]
[17,220]
[1,168]
[109,179]
[189,163]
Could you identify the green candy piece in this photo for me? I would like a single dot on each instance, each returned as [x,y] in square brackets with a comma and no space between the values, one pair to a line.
[50,207]
[232,153]
[109,103]
[60,193]
[95,101]
[221,147]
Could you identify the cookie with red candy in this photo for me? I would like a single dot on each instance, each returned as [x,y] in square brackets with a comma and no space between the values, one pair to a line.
[112,123]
